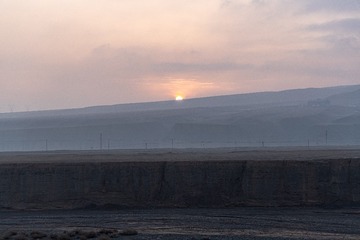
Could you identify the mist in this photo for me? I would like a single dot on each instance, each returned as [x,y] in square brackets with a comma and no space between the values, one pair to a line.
[300,117]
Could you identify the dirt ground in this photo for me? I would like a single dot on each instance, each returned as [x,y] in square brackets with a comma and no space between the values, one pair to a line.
[201,224]
[156,155]
[181,224]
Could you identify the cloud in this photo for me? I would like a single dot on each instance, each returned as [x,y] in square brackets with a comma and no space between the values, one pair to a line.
[331,5]
[185,87]
[344,46]
[147,50]
[342,36]
[177,67]
[133,62]
[349,25]
[305,70]
[131,74]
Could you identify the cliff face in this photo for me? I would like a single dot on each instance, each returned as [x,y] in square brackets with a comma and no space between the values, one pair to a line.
[180,184]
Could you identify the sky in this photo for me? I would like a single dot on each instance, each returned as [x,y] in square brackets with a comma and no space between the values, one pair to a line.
[68,54]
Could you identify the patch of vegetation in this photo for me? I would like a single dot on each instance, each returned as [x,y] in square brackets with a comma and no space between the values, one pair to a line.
[8,235]
[78,234]
[128,232]
[37,235]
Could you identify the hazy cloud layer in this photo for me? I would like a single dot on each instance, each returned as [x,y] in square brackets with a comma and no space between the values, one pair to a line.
[346,25]
[60,54]
[331,5]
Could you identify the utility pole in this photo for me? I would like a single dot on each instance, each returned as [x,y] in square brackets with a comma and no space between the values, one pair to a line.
[46,145]
[101,141]
[172,144]
[326,137]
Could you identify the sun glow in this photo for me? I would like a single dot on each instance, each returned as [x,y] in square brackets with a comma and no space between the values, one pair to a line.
[179,98]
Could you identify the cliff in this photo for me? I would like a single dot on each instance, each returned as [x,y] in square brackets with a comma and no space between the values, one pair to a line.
[179,183]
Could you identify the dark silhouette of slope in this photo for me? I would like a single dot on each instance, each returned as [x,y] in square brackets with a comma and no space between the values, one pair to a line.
[280,98]
[314,117]
[346,99]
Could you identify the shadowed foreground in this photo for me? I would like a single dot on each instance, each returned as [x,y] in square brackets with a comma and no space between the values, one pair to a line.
[181,224]
[135,187]
[215,179]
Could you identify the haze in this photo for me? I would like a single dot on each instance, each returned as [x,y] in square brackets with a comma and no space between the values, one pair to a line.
[67,54]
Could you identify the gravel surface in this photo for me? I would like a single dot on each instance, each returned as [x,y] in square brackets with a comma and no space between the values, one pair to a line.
[195,224]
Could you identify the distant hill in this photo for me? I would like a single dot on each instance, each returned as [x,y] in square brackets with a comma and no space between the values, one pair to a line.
[280,98]
[299,117]
[346,98]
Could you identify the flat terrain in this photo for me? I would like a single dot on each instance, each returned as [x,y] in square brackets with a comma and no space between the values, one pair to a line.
[239,223]
[174,223]
[232,154]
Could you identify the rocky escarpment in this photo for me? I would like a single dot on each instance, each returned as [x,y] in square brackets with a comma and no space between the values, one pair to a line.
[180,184]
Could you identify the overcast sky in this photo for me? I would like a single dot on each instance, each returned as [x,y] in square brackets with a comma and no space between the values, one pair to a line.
[65,54]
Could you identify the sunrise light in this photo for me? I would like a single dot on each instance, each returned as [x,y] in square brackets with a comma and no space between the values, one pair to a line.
[179,98]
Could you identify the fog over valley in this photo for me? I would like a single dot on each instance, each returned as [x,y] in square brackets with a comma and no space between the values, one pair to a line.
[299,117]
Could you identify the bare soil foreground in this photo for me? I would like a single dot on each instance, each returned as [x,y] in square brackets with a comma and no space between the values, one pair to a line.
[189,194]
[215,178]
[160,155]
[184,224]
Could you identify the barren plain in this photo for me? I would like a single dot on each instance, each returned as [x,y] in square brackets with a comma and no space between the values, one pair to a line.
[282,193]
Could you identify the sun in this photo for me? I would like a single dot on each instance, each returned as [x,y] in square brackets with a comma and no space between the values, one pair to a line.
[179,98]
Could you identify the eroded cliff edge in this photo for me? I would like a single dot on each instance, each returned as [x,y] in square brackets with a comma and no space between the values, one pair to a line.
[215,183]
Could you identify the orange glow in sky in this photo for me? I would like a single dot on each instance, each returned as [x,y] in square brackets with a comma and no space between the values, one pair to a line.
[66,54]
